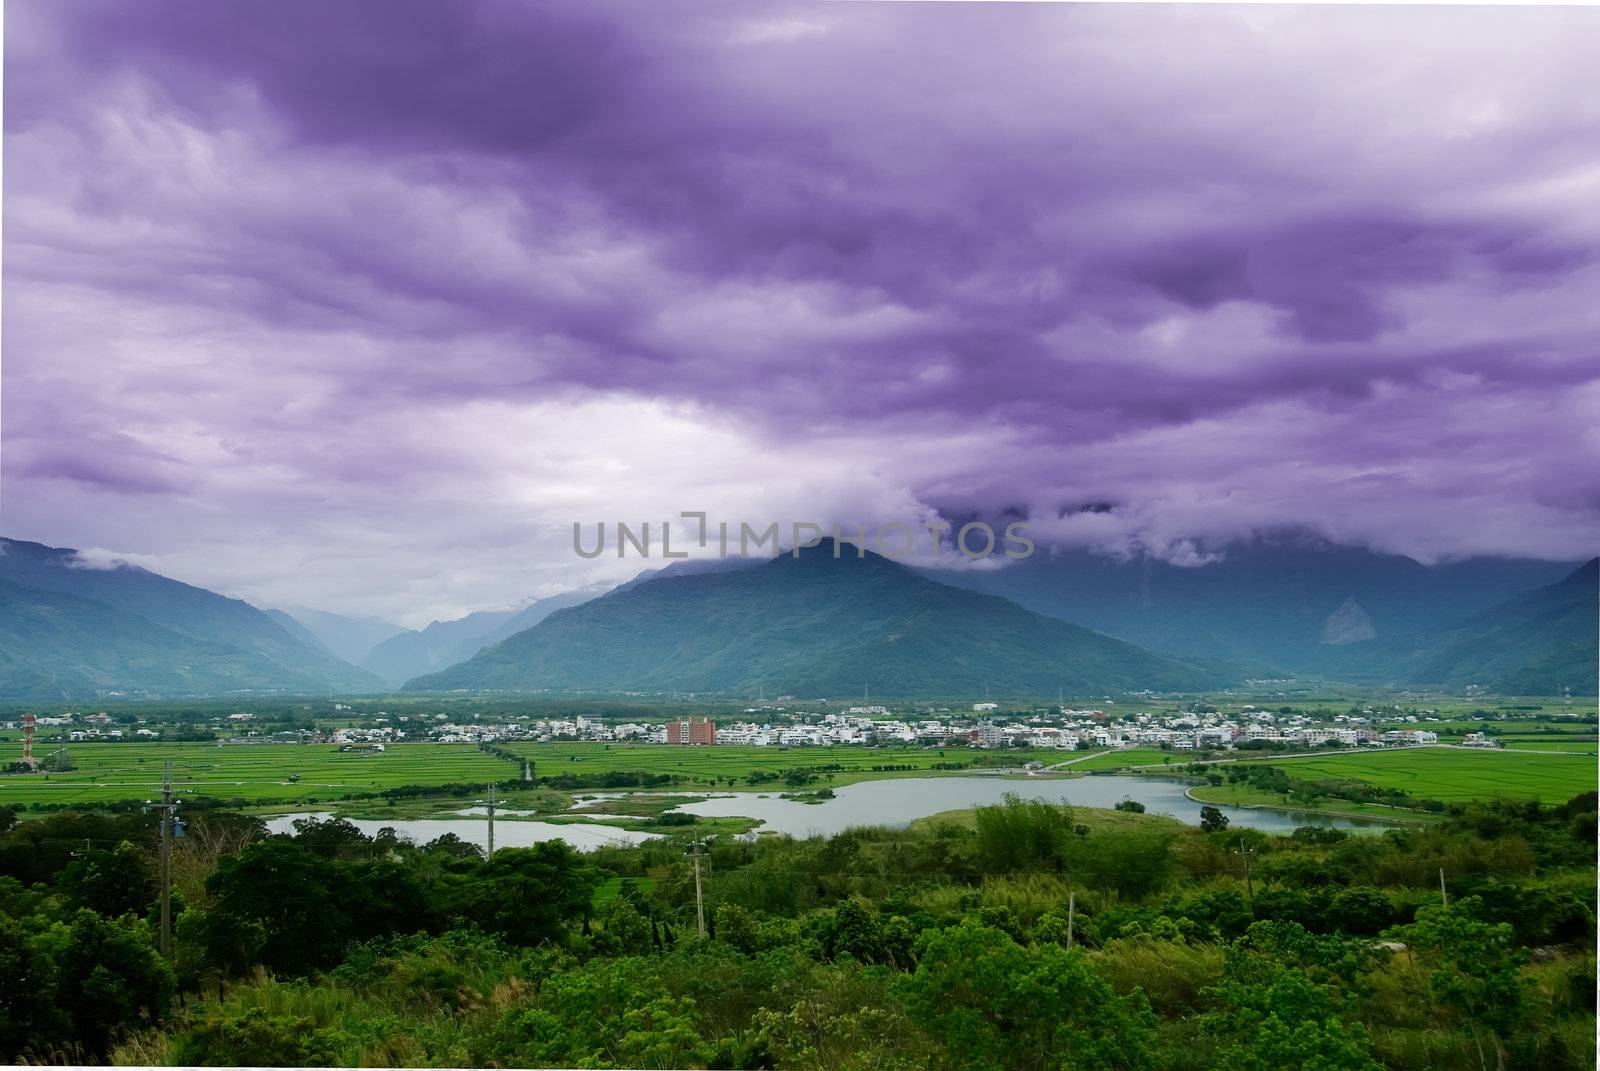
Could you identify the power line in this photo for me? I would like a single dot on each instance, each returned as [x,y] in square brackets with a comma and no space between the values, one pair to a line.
[1246,853]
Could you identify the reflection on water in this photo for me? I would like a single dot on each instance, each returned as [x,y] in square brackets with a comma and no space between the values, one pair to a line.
[506,834]
[897,802]
[867,803]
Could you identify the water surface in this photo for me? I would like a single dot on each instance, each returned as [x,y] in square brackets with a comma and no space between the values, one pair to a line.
[898,801]
[894,802]
[520,834]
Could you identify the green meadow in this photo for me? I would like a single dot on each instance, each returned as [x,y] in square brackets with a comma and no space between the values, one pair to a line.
[1133,756]
[105,772]
[723,764]
[1455,775]
[261,772]
[1548,770]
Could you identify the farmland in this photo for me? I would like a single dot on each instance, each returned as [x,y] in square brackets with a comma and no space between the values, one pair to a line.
[256,772]
[1549,770]
[1455,775]
[1133,756]
[261,772]
[1574,747]
[725,764]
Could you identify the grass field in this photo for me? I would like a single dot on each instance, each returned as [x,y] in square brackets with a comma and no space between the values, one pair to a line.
[712,765]
[1250,796]
[1552,771]
[260,772]
[1575,747]
[1457,774]
[1133,756]
[251,771]
[1098,819]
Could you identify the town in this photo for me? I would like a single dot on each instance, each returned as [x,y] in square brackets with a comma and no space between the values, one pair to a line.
[856,726]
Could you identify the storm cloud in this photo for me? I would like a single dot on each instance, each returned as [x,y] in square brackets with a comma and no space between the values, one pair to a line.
[362,304]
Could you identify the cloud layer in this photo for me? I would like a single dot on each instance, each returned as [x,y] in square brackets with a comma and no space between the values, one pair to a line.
[361,305]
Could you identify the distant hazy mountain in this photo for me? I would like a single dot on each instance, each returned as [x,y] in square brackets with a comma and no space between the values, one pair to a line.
[527,617]
[445,643]
[109,635]
[1537,643]
[692,567]
[814,626]
[59,647]
[348,637]
[296,629]
[1291,600]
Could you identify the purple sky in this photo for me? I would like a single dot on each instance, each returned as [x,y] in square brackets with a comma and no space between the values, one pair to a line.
[361,304]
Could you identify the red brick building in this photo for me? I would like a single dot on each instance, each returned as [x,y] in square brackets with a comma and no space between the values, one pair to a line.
[692,731]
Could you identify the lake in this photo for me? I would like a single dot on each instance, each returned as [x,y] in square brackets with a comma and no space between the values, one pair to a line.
[519,834]
[897,802]
[894,802]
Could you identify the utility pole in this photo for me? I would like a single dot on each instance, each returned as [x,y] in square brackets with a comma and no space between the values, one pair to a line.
[1444,897]
[489,803]
[699,894]
[167,807]
[1072,913]
[1245,854]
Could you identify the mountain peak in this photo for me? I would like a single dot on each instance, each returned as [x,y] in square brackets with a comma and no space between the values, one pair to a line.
[816,625]
[839,554]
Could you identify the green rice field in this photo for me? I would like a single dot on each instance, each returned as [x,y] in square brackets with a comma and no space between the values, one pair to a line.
[1552,771]
[1574,747]
[261,772]
[251,771]
[712,765]
[1133,756]
[1457,774]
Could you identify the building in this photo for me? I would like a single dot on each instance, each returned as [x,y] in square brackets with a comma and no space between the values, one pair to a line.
[691,731]
[990,735]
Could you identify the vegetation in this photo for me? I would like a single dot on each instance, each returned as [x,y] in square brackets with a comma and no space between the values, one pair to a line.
[254,772]
[260,773]
[1453,774]
[1026,935]
[814,625]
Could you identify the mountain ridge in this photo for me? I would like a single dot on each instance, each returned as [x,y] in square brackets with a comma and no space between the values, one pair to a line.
[813,624]
[1537,643]
[175,607]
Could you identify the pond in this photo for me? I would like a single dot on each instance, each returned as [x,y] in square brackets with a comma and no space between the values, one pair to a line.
[894,802]
[897,802]
[519,834]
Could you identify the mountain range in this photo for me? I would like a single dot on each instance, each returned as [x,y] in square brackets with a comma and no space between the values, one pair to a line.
[1538,643]
[444,643]
[73,630]
[1284,605]
[1288,599]
[815,625]
[348,637]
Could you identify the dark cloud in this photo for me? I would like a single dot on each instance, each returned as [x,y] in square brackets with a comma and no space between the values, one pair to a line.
[1169,262]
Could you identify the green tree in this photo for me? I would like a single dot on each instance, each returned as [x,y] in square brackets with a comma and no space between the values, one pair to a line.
[527,895]
[1475,971]
[621,929]
[116,882]
[607,1013]
[992,1003]
[253,1037]
[280,904]
[71,986]
[737,928]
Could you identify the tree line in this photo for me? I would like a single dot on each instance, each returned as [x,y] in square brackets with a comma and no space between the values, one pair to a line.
[1031,935]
